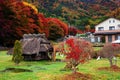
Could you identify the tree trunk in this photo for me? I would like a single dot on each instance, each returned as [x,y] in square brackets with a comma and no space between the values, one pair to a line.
[115,60]
[74,70]
[110,60]
[54,55]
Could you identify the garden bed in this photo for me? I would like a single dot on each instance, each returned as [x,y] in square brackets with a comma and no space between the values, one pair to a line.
[77,76]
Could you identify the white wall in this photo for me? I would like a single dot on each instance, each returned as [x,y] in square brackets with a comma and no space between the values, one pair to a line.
[107,23]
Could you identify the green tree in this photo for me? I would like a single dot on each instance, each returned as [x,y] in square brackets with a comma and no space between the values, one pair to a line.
[17,55]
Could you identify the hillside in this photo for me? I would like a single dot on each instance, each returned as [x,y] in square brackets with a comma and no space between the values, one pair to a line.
[78,12]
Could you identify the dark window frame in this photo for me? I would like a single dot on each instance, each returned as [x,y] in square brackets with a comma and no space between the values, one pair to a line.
[109,38]
[111,27]
[100,28]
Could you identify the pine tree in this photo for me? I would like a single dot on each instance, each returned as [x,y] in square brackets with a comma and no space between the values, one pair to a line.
[17,55]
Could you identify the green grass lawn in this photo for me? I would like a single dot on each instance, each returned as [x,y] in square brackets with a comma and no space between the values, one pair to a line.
[97,48]
[47,70]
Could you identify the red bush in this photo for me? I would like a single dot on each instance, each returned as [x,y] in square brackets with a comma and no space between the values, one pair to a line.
[77,51]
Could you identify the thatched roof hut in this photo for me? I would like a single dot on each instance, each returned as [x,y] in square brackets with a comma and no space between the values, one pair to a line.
[36,47]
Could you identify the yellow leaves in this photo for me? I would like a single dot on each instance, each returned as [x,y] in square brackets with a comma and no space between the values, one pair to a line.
[70,12]
[32,6]
[114,13]
[94,22]
[55,5]
[87,27]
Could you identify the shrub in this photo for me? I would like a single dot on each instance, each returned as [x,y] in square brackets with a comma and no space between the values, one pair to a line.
[77,51]
[17,54]
[95,54]
[109,51]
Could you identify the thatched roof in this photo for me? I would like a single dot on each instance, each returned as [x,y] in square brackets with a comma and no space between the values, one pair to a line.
[35,43]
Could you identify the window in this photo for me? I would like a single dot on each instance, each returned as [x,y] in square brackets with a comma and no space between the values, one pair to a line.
[119,37]
[109,38]
[111,27]
[109,21]
[100,28]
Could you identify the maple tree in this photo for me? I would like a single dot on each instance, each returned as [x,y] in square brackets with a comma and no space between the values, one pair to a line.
[77,51]
[28,19]
[109,51]
[73,30]
[18,18]
[44,24]
[6,23]
[60,23]
[57,28]
[55,32]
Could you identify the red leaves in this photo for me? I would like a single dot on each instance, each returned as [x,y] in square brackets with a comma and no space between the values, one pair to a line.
[116,47]
[59,24]
[70,42]
[17,19]
[78,50]
[73,30]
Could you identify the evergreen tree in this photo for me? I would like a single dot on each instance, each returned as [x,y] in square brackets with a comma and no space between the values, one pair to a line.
[17,55]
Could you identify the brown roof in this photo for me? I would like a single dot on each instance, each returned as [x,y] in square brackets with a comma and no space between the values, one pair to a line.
[108,32]
[35,43]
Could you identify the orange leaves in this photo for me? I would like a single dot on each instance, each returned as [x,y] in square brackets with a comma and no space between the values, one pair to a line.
[31,20]
[18,18]
[59,23]
[32,6]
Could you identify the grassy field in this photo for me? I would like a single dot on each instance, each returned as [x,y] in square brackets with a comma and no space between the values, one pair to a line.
[47,70]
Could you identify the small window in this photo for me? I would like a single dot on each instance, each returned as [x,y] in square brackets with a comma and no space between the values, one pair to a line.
[116,37]
[112,28]
[100,28]
[109,21]
[119,37]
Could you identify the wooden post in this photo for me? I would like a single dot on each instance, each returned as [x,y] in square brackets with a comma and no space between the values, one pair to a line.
[54,54]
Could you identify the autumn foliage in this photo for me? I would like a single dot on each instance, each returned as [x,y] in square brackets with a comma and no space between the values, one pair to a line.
[77,51]
[73,30]
[18,18]
[109,51]
[59,23]
[57,28]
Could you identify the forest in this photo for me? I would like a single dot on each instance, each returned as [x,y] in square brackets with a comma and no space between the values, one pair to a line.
[79,13]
